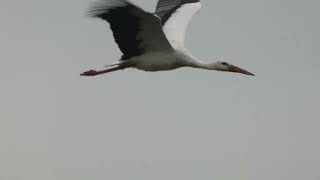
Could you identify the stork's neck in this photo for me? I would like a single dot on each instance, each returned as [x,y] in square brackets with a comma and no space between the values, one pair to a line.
[191,61]
[203,65]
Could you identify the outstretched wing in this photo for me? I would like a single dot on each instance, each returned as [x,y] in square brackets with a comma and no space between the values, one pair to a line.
[175,17]
[134,30]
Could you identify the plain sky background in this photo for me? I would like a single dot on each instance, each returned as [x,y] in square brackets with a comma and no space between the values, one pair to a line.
[185,124]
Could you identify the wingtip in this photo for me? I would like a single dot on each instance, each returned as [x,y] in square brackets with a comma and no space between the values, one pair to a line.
[104,6]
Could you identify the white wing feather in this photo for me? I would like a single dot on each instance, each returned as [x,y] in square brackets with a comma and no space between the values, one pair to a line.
[176,26]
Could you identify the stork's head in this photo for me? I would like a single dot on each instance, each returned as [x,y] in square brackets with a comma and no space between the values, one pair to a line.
[224,66]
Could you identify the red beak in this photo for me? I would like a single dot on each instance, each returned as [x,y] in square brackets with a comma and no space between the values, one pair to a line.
[236,69]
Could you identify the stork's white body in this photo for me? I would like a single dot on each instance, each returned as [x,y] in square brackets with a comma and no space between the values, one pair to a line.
[157,61]
[163,61]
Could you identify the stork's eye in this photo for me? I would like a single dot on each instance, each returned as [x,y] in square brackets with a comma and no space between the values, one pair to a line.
[224,63]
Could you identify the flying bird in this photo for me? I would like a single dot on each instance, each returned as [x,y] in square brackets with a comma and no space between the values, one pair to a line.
[152,41]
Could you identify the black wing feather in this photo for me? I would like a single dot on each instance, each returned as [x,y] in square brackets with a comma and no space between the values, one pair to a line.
[123,23]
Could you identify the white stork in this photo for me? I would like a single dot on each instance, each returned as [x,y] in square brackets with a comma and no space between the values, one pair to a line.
[152,41]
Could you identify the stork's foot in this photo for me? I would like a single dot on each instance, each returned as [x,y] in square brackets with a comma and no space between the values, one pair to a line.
[90,73]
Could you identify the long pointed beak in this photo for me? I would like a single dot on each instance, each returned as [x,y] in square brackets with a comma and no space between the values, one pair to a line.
[236,69]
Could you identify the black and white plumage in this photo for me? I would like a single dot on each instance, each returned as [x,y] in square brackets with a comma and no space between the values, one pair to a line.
[152,41]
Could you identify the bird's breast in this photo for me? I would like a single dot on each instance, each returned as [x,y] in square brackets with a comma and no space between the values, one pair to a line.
[157,62]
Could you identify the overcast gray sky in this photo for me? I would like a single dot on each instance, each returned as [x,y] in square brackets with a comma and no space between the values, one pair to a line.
[185,124]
